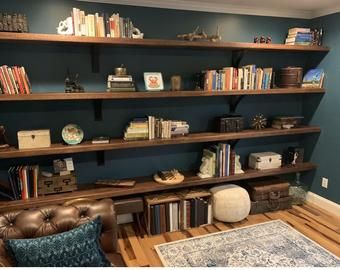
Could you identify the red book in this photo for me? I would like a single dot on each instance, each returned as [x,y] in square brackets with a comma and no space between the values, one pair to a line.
[235,78]
[19,80]
[13,80]
[25,80]
[232,162]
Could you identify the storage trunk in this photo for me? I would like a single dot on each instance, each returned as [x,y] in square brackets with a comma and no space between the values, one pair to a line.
[31,139]
[57,184]
[265,160]
[268,189]
[260,207]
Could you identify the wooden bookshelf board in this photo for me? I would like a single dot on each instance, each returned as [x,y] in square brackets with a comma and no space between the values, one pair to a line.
[87,146]
[160,94]
[147,185]
[153,43]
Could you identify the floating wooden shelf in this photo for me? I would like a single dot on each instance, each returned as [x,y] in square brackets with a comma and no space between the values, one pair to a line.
[159,43]
[145,185]
[56,149]
[161,94]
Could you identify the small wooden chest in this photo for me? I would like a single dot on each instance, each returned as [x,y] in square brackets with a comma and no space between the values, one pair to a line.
[57,184]
[268,189]
[265,160]
[31,139]
[260,207]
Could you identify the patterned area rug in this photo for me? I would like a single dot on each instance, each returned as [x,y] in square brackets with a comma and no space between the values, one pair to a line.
[270,244]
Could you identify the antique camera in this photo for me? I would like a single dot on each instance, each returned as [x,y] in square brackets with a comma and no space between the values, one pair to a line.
[230,123]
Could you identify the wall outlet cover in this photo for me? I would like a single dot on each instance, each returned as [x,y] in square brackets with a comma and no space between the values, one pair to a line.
[324,182]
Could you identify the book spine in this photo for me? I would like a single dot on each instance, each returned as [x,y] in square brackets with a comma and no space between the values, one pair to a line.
[162,218]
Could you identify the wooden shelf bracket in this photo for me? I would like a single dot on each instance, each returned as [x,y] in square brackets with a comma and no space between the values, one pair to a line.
[100,158]
[98,109]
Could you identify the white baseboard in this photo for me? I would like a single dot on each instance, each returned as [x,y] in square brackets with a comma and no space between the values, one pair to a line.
[323,203]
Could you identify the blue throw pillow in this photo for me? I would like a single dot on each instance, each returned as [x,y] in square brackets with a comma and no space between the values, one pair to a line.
[74,248]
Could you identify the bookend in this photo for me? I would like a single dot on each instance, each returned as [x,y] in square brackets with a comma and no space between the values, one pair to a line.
[3,138]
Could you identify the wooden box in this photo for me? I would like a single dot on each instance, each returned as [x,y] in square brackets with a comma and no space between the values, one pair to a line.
[57,184]
[268,189]
[31,139]
[260,207]
[265,160]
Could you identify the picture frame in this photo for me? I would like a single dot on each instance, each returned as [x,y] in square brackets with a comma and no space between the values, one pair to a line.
[153,81]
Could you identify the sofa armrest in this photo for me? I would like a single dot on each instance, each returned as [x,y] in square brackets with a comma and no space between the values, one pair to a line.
[4,262]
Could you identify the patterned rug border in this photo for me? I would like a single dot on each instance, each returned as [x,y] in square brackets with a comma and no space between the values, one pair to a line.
[235,229]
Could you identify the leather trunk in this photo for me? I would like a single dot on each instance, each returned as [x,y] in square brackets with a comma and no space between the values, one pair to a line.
[268,189]
[260,207]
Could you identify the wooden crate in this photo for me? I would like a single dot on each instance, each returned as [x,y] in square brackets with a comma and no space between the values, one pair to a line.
[57,184]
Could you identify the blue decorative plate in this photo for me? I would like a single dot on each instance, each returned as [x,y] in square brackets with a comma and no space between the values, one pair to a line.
[72,134]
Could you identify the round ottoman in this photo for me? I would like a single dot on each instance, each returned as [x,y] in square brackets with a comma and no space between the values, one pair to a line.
[230,203]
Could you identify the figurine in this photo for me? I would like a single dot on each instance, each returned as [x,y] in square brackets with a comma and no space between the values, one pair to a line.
[204,168]
[137,34]
[201,35]
[65,27]
[3,138]
[262,39]
[269,40]
[176,83]
[72,86]
[238,166]
[259,122]
[256,40]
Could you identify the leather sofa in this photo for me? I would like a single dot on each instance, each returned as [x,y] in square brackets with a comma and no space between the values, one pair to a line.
[48,220]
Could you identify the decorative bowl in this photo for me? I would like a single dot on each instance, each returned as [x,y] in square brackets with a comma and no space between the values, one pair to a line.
[72,134]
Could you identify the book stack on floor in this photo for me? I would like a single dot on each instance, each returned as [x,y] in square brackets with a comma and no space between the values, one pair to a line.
[221,160]
[14,80]
[101,25]
[178,211]
[248,77]
[22,183]
[155,128]
[299,36]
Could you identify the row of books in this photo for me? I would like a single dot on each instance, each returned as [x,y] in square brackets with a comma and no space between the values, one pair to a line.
[300,36]
[22,182]
[151,128]
[14,80]
[101,25]
[170,217]
[221,160]
[248,77]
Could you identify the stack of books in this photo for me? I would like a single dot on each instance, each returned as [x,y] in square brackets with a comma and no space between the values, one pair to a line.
[245,78]
[155,128]
[299,36]
[14,80]
[221,160]
[101,25]
[22,183]
[170,217]
[120,83]
[314,78]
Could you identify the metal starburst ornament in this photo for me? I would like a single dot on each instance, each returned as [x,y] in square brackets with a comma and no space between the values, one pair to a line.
[259,122]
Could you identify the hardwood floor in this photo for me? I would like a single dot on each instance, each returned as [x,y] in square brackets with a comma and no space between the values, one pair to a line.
[137,248]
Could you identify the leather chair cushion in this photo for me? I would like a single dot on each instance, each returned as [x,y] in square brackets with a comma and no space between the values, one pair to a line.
[78,247]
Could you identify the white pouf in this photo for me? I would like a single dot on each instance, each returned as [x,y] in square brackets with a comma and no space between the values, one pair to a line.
[230,203]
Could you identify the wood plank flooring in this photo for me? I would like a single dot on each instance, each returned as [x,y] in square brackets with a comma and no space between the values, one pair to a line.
[137,249]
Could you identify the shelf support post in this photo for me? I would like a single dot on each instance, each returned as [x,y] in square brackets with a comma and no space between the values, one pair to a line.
[100,158]
[98,109]
[95,59]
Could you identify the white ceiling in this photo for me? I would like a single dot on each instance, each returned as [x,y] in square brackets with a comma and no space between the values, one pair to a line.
[306,9]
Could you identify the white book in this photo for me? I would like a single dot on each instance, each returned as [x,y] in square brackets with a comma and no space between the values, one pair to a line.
[171,217]
[245,79]
[239,78]
[175,216]
[210,214]
[82,23]
[184,209]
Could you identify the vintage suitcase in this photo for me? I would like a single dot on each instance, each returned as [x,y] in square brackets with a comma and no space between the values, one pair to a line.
[230,123]
[31,139]
[260,207]
[268,189]
[291,77]
[56,184]
[265,160]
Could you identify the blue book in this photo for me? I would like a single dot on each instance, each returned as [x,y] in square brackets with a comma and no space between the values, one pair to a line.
[314,77]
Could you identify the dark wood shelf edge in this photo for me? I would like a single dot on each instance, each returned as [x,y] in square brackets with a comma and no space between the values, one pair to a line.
[147,185]
[159,43]
[150,95]
[57,149]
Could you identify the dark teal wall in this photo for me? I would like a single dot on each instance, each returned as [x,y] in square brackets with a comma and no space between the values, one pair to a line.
[325,151]
[47,64]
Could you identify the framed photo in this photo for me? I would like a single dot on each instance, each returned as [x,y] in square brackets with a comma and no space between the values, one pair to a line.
[153,81]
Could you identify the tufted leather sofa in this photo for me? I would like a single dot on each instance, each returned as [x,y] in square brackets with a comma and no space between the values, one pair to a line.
[54,219]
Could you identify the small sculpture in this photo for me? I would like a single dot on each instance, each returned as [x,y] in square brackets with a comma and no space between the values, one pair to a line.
[137,34]
[204,168]
[176,83]
[259,122]
[72,86]
[3,138]
[172,177]
[262,39]
[269,40]
[65,27]
[201,35]
[256,40]
[238,166]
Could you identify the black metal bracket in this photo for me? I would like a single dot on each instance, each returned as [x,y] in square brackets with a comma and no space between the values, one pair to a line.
[100,158]
[95,59]
[237,57]
[233,143]
[98,109]
[233,103]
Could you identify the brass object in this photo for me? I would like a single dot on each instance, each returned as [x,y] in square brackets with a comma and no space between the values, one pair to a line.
[120,71]
[176,83]
[259,122]
[201,35]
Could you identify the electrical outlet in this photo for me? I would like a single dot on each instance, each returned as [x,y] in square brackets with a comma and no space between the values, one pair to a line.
[324,182]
